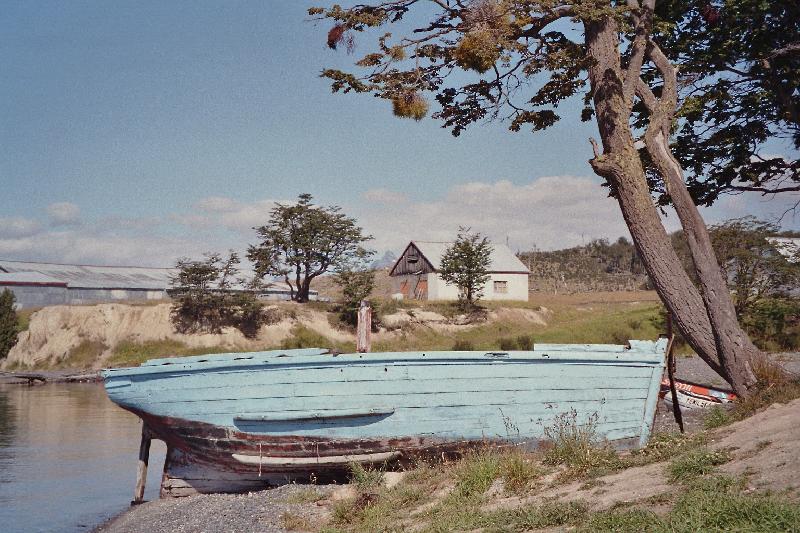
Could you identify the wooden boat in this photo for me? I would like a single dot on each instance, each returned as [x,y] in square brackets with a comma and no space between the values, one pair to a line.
[694,396]
[236,422]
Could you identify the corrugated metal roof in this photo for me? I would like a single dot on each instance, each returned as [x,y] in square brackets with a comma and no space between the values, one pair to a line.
[502,258]
[28,278]
[96,277]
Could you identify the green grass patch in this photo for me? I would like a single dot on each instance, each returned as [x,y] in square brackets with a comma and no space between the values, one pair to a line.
[303,337]
[615,323]
[717,417]
[365,478]
[574,444]
[129,353]
[84,355]
[696,463]
[24,319]
[664,446]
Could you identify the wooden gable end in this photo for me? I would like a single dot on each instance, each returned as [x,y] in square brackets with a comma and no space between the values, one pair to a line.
[411,262]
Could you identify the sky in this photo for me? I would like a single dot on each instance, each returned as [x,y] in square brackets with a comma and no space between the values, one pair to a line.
[134,133]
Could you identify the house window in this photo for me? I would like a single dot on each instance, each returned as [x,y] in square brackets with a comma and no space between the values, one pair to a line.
[501,287]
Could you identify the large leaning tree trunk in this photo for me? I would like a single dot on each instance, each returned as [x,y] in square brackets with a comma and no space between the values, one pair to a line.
[509,43]
[707,317]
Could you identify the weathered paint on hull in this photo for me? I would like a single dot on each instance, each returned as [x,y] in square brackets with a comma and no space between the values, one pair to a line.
[242,421]
[201,457]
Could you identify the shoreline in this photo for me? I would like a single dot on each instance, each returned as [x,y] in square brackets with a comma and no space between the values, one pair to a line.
[43,377]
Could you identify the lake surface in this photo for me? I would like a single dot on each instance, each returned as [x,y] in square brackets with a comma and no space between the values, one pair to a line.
[67,458]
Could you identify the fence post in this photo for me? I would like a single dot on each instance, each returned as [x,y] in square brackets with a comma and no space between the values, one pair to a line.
[364,327]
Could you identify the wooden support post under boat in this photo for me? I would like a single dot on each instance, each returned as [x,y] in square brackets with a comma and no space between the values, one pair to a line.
[141,471]
[676,407]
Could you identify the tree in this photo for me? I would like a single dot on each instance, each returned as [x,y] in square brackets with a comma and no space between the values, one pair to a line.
[207,298]
[749,260]
[465,264]
[9,324]
[526,57]
[356,279]
[740,64]
[302,241]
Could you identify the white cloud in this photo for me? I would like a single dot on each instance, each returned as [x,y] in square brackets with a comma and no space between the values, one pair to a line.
[549,212]
[64,214]
[16,227]
[385,196]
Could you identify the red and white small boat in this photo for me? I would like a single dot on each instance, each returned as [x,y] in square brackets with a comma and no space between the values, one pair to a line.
[695,396]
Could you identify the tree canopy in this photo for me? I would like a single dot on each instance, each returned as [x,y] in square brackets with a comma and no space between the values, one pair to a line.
[8,323]
[209,295]
[302,241]
[739,64]
[466,263]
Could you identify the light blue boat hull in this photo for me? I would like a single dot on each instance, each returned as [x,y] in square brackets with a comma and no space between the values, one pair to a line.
[235,421]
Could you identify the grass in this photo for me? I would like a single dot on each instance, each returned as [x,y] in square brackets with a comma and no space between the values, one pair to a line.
[696,463]
[293,522]
[24,318]
[129,353]
[303,337]
[305,495]
[705,501]
[574,445]
[84,355]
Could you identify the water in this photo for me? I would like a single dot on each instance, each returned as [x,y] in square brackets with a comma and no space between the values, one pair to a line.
[67,458]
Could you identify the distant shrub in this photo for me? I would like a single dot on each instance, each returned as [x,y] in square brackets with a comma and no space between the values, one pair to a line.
[463,346]
[208,297]
[774,324]
[508,344]
[525,342]
[9,324]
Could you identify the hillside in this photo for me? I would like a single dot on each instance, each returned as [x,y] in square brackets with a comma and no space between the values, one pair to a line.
[93,336]
[597,266]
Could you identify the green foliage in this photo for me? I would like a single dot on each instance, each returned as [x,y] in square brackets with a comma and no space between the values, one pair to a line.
[9,325]
[466,263]
[357,282]
[575,445]
[302,241]
[598,265]
[476,472]
[207,300]
[365,478]
[754,267]
[717,417]
[519,471]
[84,355]
[663,446]
[741,60]
[463,346]
[774,324]
[696,463]
[521,342]
[129,353]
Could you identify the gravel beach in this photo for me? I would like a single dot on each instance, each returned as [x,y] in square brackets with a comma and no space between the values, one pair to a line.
[258,512]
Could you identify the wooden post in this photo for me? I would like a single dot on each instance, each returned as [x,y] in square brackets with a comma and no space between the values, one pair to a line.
[364,327]
[141,471]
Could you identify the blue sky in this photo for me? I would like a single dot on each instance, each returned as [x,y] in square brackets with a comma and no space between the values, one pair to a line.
[136,132]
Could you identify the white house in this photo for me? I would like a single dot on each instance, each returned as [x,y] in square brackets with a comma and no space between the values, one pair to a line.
[415,274]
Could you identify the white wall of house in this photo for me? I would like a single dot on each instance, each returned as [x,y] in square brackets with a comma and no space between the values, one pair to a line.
[499,287]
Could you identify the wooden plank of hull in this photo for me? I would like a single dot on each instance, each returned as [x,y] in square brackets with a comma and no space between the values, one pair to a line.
[338,460]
